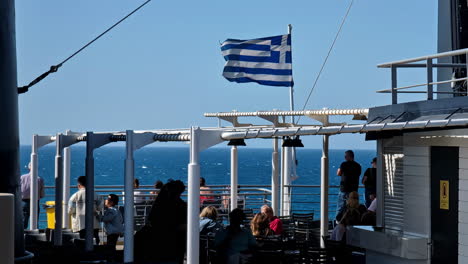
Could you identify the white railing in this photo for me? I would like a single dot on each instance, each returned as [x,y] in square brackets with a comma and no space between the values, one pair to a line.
[429,65]
[305,199]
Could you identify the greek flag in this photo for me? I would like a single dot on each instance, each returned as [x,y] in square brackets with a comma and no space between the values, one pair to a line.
[266,61]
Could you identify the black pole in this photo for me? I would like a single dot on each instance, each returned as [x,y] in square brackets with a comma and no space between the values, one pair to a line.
[89,209]
[9,133]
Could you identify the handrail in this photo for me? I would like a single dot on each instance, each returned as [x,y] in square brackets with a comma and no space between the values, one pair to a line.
[429,66]
[422,84]
[427,57]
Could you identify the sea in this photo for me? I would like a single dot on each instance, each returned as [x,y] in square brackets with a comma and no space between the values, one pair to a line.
[164,163]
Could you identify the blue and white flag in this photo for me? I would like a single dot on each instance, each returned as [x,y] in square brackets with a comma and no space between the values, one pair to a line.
[266,61]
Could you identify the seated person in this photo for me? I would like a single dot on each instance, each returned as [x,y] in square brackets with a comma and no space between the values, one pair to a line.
[233,242]
[275,223]
[260,226]
[208,223]
[350,217]
[352,204]
[206,193]
[370,217]
[373,205]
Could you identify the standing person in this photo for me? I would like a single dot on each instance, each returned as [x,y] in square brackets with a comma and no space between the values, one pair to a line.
[349,172]
[76,208]
[157,186]
[26,194]
[369,181]
[112,219]
[275,223]
[138,199]
[164,240]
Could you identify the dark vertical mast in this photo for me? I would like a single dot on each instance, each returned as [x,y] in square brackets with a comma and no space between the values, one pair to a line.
[452,35]
[9,132]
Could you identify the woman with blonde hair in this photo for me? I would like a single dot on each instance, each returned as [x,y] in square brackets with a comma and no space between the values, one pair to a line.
[350,217]
[260,226]
[208,217]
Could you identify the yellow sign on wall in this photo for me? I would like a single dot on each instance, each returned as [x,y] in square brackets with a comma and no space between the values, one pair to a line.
[444,195]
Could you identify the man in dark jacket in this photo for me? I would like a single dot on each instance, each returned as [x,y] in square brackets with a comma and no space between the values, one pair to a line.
[349,172]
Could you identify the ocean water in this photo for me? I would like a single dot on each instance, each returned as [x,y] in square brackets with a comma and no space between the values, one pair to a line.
[155,163]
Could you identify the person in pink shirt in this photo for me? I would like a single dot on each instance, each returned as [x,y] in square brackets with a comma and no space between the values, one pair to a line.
[275,223]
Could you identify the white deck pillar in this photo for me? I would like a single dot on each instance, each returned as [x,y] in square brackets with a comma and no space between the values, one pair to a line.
[275,177]
[324,191]
[234,177]
[34,186]
[286,180]
[193,230]
[283,158]
[66,185]
[129,219]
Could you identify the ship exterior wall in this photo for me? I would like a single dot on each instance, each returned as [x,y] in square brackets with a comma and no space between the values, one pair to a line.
[416,180]
[463,207]
[416,148]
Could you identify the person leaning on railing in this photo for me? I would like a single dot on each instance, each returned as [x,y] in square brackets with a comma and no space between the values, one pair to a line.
[26,193]
[76,208]
[112,219]
[349,172]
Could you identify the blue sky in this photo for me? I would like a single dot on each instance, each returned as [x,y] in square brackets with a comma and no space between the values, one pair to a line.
[162,67]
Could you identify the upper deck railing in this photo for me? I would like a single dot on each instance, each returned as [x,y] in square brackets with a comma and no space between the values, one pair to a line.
[428,63]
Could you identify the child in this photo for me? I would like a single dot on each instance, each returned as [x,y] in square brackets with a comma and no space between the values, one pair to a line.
[113,223]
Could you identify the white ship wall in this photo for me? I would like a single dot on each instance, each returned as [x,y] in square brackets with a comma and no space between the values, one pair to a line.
[416,207]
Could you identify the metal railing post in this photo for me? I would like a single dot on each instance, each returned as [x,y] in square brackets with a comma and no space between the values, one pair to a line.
[466,65]
[394,84]
[430,89]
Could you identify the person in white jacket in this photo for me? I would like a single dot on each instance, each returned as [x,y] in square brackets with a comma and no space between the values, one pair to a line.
[77,209]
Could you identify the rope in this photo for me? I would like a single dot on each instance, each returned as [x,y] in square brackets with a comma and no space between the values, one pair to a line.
[328,55]
[54,68]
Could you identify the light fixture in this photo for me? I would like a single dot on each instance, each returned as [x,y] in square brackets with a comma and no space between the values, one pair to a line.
[236,142]
[287,142]
[297,142]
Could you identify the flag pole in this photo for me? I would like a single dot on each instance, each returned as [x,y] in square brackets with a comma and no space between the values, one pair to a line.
[291,88]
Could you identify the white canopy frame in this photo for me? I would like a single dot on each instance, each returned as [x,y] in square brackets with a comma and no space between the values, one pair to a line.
[203,138]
